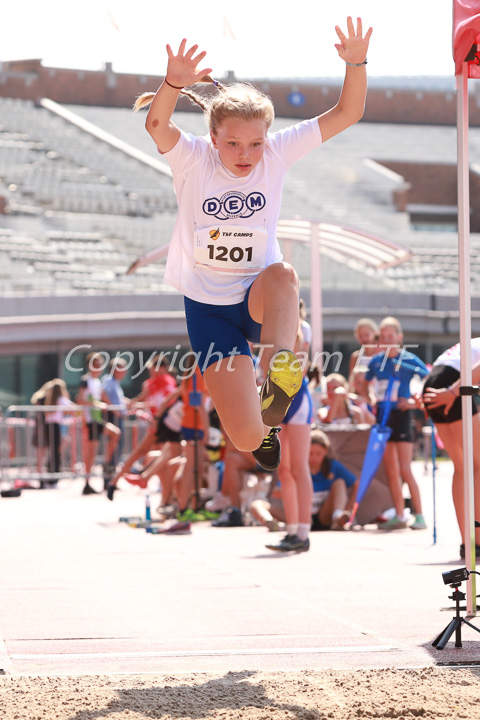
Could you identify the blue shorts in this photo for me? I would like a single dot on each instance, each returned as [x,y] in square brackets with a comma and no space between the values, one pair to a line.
[300,411]
[220,331]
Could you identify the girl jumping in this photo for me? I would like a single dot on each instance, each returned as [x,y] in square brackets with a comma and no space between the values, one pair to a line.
[224,255]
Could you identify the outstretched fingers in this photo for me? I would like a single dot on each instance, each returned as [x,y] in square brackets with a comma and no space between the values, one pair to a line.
[352,33]
[182,66]
[191,52]
[198,58]
[353,47]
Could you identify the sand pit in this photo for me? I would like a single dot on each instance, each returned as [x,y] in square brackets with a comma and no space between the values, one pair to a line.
[306,695]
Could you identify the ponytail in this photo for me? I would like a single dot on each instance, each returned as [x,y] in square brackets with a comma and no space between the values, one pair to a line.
[145,99]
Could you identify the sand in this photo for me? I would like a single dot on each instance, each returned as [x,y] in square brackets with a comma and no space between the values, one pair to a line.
[307,695]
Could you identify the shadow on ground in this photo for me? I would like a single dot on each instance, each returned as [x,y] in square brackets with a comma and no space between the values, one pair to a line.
[227,696]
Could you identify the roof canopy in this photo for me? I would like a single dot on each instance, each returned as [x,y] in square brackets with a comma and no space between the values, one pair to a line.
[353,247]
[466,32]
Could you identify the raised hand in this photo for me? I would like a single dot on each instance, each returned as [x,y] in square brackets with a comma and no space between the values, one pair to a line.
[182,67]
[353,49]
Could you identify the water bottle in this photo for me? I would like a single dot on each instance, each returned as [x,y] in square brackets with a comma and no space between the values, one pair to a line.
[147,508]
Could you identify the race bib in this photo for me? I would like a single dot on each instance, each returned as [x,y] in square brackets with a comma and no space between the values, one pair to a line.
[318,499]
[380,389]
[231,249]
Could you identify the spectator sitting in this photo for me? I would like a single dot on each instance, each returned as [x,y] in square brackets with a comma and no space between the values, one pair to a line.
[160,444]
[236,464]
[158,385]
[360,395]
[339,410]
[334,486]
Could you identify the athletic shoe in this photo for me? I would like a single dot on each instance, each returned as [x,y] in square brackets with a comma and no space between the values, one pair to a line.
[88,490]
[269,453]
[395,523]
[419,523]
[190,515]
[136,480]
[110,491]
[340,520]
[284,380]
[230,517]
[166,512]
[218,503]
[290,543]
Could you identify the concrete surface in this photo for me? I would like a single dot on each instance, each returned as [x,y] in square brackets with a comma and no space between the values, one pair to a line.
[82,593]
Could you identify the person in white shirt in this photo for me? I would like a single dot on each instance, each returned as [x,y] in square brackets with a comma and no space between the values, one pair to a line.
[224,255]
[443,404]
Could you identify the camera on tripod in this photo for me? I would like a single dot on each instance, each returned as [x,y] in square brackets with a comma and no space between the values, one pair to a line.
[455,577]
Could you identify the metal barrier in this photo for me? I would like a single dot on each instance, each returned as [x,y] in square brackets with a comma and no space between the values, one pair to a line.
[34,449]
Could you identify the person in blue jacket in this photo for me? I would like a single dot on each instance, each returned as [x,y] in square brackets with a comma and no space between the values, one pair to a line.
[394,359]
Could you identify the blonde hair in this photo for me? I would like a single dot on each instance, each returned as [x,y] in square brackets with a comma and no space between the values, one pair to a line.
[366,322]
[337,377]
[391,322]
[57,388]
[240,100]
[41,393]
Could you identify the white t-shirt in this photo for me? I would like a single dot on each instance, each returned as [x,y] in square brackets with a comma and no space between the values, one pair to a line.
[306,332]
[451,357]
[225,232]
[93,391]
[58,416]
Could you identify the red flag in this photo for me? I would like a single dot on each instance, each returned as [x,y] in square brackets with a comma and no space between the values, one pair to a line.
[466,32]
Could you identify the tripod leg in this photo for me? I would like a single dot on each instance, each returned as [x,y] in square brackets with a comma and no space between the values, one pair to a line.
[470,625]
[452,627]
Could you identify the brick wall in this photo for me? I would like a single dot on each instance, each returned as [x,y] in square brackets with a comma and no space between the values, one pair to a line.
[28,79]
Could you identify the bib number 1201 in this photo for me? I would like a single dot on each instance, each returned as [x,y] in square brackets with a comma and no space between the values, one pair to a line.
[234,254]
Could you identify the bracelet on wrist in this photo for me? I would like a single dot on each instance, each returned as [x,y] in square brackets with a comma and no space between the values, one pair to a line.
[175,87]
[356,64]
[452,391]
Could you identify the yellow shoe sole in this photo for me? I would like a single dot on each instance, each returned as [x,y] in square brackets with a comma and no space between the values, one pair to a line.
[283,382]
